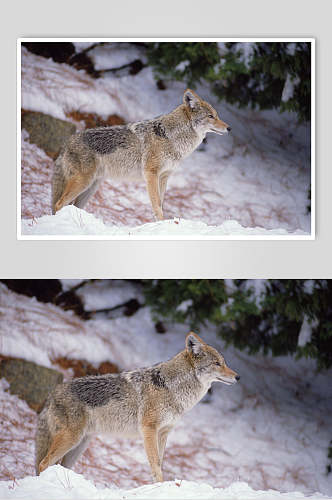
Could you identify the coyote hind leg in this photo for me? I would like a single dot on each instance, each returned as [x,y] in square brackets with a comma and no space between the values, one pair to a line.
[62,443]
[76,185]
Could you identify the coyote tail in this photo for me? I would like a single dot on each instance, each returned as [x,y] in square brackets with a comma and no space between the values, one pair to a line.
[43,441]
[58,182]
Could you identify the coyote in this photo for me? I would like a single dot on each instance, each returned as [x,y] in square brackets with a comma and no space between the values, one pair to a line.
[150,149]
[146,402]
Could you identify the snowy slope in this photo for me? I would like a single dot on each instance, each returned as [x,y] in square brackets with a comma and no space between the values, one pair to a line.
[270,431]
[259,175]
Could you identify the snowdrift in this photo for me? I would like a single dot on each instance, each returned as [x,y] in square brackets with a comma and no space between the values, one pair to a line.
[72,221]
[60,483]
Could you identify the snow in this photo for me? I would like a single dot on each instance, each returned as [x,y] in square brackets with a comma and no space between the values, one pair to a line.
[57,482]
[288,90]
[306,331]
[309,286]
[33,178]
[57,89]
[270,431]
[45,332]
[258,288]
[184,306]
[258,175]
[248,50]
[96,295]
[291,48]
[17,424]
[80,46]
[72,221]
[115,55]
[182,65]
[67,284]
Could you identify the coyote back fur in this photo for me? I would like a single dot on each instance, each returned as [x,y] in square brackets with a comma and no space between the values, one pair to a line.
[145,402]
[150,149]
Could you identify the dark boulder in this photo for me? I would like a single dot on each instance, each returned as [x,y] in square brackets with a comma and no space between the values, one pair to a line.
[46,132]
[29,381]
[58,51]
[43,290]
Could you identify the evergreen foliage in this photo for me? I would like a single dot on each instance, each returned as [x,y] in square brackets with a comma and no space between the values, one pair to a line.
[254,315]
[185,61]
[259,74]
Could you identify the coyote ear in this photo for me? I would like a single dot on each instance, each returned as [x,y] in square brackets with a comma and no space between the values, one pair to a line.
[194,344]
[190,99]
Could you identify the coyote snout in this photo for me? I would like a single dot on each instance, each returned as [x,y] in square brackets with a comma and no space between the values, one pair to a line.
[144,403]
[228,377]
[149,150]
[220,127]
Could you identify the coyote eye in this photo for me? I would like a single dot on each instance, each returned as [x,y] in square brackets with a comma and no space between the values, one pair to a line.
[210,116]
[217,363]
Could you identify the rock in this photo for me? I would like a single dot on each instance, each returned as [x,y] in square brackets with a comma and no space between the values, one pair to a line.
[81,367]
[59,51]
[29,381]
[92,120]
[161,85]
[44,290]
[70,300]
[46,132]
[160,327]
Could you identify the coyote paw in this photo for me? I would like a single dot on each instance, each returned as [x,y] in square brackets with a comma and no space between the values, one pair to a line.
[159,215]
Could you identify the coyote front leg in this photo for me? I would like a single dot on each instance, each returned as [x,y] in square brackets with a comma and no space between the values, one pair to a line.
[162,187]
[150,437]
[162,438]
[152,184]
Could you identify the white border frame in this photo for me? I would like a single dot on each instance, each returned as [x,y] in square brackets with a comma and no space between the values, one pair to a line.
[311,236]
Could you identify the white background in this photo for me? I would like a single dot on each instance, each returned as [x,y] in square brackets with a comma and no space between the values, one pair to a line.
[152,259]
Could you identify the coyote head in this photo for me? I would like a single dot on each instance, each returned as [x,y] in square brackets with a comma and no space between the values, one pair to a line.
[203,116]
[209,364]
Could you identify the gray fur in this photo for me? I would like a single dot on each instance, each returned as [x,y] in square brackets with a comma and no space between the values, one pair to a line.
[159,130]
[98,390]
[105,140]
[157,378]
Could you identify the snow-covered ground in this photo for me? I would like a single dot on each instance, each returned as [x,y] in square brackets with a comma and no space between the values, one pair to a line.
[269,432]
[57,482]
[72,221]
[258,176]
